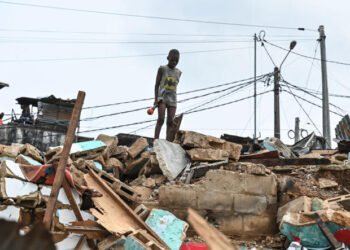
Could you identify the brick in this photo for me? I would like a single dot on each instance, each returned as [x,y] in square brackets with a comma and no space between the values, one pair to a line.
[260,185]
[223,180]
[249,204]
[214,200]
[178,196]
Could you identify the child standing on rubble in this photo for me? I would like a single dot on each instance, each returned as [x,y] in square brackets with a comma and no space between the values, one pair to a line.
[167,79]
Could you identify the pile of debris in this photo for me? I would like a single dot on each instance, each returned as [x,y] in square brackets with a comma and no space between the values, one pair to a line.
[137,196]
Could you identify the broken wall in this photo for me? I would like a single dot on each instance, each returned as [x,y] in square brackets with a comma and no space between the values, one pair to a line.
[240,204]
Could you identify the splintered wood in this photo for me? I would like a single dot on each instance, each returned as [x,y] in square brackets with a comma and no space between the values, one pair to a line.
[215,239]
[111,211]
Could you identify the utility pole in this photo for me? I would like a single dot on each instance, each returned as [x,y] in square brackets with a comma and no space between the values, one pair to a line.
[297,130]
[276,82]
[325,101]
[255,39]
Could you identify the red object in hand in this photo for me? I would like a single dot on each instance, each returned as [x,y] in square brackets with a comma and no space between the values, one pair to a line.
[151,110]
[193,246]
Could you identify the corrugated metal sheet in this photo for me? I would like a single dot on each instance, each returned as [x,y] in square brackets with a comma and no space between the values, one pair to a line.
[342,131]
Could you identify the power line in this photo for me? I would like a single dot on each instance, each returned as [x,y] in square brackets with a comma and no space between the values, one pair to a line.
[308,101]
[308,57]
[41,40]
[155,17]
[307,92]
[191,112]
[114,57]
[138,34]
[180,101]
[182,93]
[308,116]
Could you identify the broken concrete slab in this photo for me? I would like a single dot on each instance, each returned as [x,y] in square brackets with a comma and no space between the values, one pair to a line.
[15,187]
[202,154]
[32,152]
[10,151]
[169,228]
[11,169]
[299,205]
[327,183]
[67,216]
[171,157]
[27,160]
[62,197]
[137,147]
[191,139]
[233,149]
[10,213]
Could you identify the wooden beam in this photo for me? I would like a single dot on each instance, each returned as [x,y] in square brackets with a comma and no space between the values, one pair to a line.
[59,176]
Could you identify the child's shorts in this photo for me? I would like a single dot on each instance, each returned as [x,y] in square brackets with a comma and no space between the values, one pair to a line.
[169,98]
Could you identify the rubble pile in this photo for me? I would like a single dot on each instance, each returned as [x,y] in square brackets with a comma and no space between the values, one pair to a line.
[137,196]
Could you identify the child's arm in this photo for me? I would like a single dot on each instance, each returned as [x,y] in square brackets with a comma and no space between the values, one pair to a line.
[156,88]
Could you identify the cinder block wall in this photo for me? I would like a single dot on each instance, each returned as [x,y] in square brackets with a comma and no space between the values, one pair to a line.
[239,204]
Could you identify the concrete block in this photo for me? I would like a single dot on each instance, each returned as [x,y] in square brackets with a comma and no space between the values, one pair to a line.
[171,157]
[258,225]
[207,154]
[191,139]
[230,225]
[137,147]
[223,180]
[178,197]
[261,185]
[233,149]
[215,200]
[249,204]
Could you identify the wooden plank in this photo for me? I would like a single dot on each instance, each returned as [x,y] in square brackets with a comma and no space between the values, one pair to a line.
[286,162]
[91,232]
[80,243]
[111,208]
[214,238]
[63,160]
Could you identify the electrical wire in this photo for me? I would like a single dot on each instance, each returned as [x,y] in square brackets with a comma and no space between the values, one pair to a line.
[182,93]
[114,57]
[306,92]
[154,17]
[308,116]
[43,40]
[137,34]
[180,101]
[308,57]
[190,112]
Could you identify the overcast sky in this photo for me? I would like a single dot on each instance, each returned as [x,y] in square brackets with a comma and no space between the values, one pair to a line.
[114,58]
